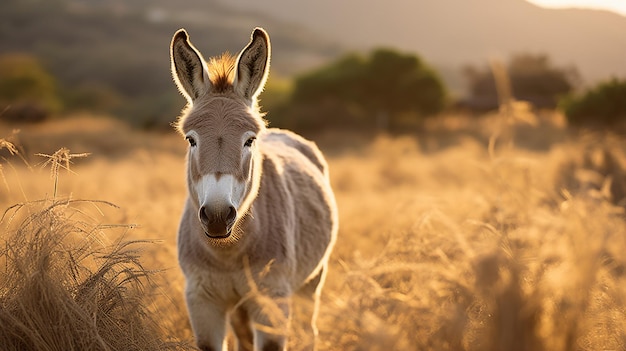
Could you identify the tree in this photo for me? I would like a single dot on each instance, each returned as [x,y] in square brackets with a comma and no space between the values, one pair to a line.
[27,91]
[533,78]
[601,106]
[383,87]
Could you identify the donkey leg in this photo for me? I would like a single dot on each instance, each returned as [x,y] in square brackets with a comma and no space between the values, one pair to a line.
[208,320]
[240,321]
[311,293]
[271,317]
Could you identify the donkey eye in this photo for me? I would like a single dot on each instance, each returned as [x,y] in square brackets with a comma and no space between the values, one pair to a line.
[249,142]
[191,141]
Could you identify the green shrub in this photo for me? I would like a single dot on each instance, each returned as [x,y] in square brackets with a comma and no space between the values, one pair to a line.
[28,92]
[363,92]
[531,77]
[603,105]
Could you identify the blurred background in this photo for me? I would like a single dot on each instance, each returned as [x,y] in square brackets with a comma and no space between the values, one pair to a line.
[375,65]
[475,148]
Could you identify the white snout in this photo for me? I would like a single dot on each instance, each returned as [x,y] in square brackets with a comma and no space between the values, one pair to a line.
[219,191]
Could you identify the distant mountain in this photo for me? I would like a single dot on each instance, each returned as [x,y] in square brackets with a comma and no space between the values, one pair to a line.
[125,44]
[121,47]
[451,33]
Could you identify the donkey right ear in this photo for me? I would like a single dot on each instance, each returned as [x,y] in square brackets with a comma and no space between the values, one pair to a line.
[253,66]
[188,67]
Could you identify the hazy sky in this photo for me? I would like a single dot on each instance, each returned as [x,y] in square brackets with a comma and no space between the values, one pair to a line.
[618,6]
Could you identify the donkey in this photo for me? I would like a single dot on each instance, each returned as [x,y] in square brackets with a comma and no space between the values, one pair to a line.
[260,219]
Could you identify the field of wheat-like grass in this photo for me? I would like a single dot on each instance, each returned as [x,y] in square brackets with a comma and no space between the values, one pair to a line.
[473,234]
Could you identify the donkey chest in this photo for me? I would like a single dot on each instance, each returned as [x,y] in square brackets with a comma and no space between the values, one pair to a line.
[229,287]
[226,288]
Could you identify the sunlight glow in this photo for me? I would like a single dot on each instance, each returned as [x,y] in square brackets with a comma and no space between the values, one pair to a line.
[618,6]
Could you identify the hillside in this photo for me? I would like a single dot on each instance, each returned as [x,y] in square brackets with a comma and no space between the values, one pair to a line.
[117,50]
[122,47]
[451,33]
[117,33]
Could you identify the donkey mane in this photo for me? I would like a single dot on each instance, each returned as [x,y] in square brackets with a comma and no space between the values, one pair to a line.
[222,76]
[222,72]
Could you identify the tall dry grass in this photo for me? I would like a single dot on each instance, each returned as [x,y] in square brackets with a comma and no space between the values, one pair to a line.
[478,248]
[65,286]
[499,233]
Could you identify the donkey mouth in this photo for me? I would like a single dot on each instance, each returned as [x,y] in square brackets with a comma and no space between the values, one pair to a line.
[221,231]
[218,236]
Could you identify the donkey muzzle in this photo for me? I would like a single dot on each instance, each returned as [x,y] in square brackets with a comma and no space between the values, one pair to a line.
[217,222]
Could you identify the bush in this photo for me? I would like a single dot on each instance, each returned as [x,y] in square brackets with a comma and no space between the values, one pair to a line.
[27,91]
[603,105]
[363,92]
[532,78]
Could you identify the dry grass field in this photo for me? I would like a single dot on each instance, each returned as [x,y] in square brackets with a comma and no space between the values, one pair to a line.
[475,234]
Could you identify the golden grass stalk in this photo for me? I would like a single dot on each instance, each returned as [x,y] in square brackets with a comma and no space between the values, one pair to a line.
[61,159]
[5,144]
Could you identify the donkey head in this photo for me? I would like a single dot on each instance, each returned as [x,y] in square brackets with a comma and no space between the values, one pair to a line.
[221,123]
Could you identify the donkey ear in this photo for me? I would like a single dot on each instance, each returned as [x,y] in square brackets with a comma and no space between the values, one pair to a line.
[253,66]
[188,67]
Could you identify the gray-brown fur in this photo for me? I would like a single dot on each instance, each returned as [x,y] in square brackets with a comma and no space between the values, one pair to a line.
[277,184]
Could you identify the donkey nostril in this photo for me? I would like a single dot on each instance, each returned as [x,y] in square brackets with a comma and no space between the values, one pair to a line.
[232,214]
[202,214]
[207,218]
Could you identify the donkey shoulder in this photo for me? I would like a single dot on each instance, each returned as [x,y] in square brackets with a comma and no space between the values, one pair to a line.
[307,148]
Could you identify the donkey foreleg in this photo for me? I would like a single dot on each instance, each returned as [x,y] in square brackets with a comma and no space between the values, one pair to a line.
[208,320]
[271,318]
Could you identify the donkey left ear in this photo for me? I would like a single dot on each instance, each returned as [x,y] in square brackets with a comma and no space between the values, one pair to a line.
[188,67]
[253,66]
